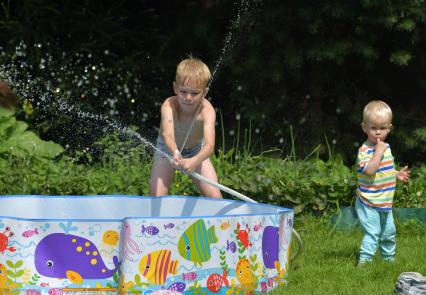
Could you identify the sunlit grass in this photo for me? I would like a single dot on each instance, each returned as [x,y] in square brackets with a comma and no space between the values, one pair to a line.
[327,264]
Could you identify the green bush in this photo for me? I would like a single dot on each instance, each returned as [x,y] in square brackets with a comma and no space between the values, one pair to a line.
[121,167]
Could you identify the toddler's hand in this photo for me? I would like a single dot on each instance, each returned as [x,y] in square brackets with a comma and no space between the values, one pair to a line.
[381,146]
[403,174]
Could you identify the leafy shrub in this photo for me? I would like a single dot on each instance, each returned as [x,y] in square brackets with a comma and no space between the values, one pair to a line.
[121,167]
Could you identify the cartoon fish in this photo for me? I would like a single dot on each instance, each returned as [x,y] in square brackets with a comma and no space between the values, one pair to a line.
[194,244]
[44,284]
[257,227]
[270,246]
[156,265]
[215,281]
[243,236]
[60,255]
[177,286]
[245,275]
[110,237]
[189,276]
[55,291]
[30,233]
[231,246]
[169,225]
[4,240]
[225,225]
[263,287]
[3,276]
[152,230]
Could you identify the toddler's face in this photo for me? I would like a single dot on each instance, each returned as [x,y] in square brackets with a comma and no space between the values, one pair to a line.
[378,128]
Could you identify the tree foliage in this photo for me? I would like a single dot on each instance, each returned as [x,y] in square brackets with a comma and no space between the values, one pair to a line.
[309,64]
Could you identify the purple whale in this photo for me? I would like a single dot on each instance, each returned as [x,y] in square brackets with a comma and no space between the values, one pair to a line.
[58,254]
[270,242]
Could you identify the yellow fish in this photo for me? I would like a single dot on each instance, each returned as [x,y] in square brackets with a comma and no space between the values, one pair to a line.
[245,275]
[156,265]
[3,276]
[225,225]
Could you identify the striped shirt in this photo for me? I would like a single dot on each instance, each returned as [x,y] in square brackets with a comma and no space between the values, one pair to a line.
[377,190]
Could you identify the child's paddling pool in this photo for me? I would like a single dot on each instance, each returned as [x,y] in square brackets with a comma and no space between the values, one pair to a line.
[137,244]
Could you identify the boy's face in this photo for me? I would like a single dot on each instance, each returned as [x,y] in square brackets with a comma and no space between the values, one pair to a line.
[375,129]
[189,95]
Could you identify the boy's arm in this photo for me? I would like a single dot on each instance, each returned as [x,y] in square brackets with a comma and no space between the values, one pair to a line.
[167,125]
[374,163]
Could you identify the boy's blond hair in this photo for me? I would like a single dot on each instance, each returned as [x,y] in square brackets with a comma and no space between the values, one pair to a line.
[377,109]
[193,69]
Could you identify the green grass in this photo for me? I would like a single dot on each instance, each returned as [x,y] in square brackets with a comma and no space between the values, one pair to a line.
[327,264]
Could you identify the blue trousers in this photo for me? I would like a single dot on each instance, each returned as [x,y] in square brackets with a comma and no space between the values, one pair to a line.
[379,231]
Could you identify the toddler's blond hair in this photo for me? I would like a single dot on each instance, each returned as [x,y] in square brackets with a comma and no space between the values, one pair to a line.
[377,110]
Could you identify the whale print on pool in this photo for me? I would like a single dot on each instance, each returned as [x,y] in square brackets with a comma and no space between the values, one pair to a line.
[60,255]
[270,246]
[194,244]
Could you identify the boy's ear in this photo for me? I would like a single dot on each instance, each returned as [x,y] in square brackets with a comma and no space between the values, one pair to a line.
[175,88]
[206,90]
[364,127]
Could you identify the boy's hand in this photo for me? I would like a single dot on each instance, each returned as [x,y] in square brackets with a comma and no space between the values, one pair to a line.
[176,162]
[189,164]
[381,146]
[403,174]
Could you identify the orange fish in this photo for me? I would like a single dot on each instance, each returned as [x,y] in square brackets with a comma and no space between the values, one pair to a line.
[215,281]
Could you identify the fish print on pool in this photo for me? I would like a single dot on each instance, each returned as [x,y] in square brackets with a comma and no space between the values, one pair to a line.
[241,255]
[194,244]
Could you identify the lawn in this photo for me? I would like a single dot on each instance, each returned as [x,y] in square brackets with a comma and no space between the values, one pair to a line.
[327,264]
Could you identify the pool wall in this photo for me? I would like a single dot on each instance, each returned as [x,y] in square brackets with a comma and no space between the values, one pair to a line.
[139,244]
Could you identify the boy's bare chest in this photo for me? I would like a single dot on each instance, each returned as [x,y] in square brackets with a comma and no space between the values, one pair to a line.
[192,130]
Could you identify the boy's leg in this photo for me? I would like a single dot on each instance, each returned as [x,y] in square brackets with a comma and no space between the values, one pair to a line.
[370,222]
[387,237]
[206,169]
[162,175]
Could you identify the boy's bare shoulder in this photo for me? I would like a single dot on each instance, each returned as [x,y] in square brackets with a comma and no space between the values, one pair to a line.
[208,107]
[169,102]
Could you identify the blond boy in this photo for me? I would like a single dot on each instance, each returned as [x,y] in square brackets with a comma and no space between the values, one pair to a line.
[187,131]
[377,177]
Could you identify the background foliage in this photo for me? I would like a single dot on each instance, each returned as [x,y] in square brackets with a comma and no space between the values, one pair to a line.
[286,74]
[309,185]
[313,65]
